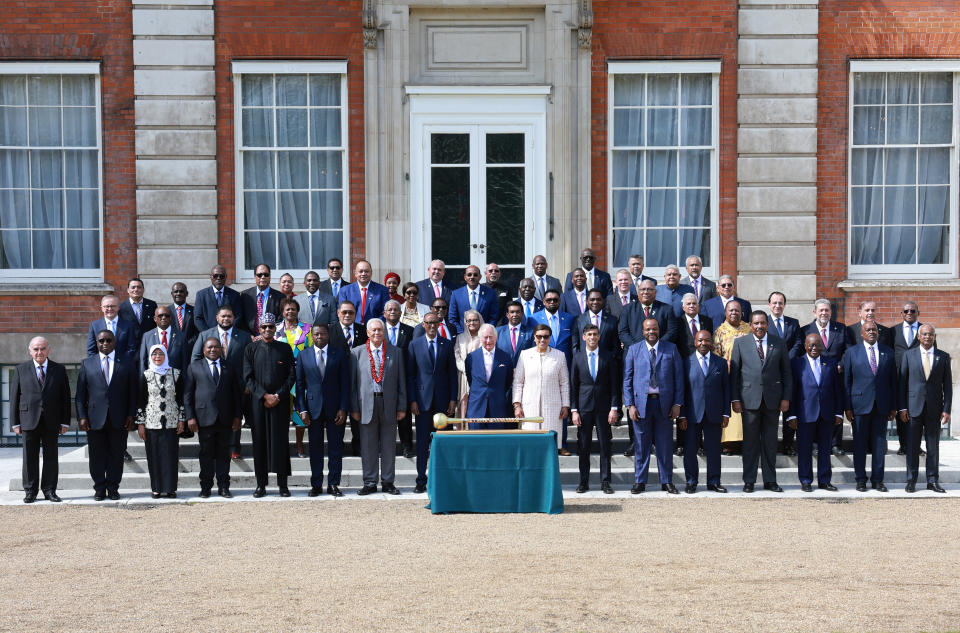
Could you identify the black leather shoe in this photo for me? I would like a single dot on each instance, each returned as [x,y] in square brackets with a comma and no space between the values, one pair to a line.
[628,452]
[772,487]
[678,451]
[701,452]
[669,488]
[837,451]
[204,493]
[390,489]
[690,489]
[923,453]
[315,491]
[791,451]
[935,486]
[748,487]
[879,487]
[261,491]
[861,486]
[113,495]
[171,495]
[900,451]
[582,488]
[127,457]
[225,493]
[638,488]
[716,488]
[99,496]
[284,491]
[334,490]
[606,488]
[367,490]
[51,495]
[408,452]
[420,488]
[806,487]
[829,487]
[910,487]
[30,497]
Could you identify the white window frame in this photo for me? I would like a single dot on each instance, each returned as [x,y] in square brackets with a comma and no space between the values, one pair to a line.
[906,271]
[666,67]
[64,275]
[331,67]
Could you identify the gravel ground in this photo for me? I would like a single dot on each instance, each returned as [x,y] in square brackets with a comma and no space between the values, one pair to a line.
[619,565]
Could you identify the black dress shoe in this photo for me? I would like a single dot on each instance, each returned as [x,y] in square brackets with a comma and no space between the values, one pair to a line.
[669,488]
[408,452]
[315,491]
[748,487]
[829,487]
[390,489]
[367,490]
[204,493]
[420,488]
[582,488]
[923,453]
[935,486]
[284,491]
[806,487]
[792,451]
[861,486]
[678,451]
[225,493]
[260,491]
[901,451]
[837,451]
[879,487]
[51,495]
[127,457]
[334,490]
[171,495]
[628,452]
[772,487]
[30,497]
[99,496]
[606,488]
[701,452]
[155,495]
[910,487]
[638,488]
[716,488]
[690,489]
[113,495]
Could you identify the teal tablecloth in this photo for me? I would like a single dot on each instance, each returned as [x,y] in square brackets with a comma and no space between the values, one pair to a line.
[503,472]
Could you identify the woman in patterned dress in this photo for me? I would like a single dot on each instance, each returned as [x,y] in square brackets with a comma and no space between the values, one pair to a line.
[297,335]
[159,419]
[731,329]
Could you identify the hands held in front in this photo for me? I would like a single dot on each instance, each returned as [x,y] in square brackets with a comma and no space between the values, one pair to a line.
[192,425]
[340,418]
[784,406]
[270,400]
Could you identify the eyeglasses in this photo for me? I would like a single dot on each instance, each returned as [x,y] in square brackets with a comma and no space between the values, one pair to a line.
[161,316]
[542,337]
[588,257]
[262,275]
[725,285]
[104,340]
[432,323]
[412,293]
[268,327]
[334,267]
[909,311]
[438,307]
[218,276]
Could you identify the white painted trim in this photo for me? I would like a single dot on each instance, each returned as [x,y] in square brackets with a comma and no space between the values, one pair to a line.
[331,67]
[478,90]
[50,68]
[904,65]
[664,66]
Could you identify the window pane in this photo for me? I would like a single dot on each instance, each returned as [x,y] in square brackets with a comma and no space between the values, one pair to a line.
[933,245]
[80,127]
[13,89]
[79,90]
[628,90]
[626,243]
[13,126]
[256,90]
[663,89]
[868,128]
[868,88]
[902,124]
[326,170]
[258,170]
[695,242]
[13,168]
[260,248]
[505,148]
[14,210]
[294,211]
[627,208]
[662,168]
[292,170]
[291,90]
[901,168]
[294,250]
[15,251]
[48,249]
[900,205]
[83,249]
[936,88]
[662,127]
[867,206]
[899,245]
[327,210]
[44,126]
[325,128]
[46,169]
[936,124]
[292,128]
[934,205]
[627,168]
[696,127]
[695,168]
[450,214]
[903,88]
[259,210]
[450,149]
[44,90]
[324,91]
[326,244]
[661,248]
[866,167]
[694,207]
[81,168]
[697,90]
[865,246]
[83,209]
[505,214]
[934,167]
[257,127]
[661,207]
[627,127]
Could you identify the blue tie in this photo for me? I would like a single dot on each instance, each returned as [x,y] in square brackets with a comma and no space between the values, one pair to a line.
[593,365]
[313,306]
[219,297]
[433,354]
[705,364]
[393,335]
[473,299]
[779,327]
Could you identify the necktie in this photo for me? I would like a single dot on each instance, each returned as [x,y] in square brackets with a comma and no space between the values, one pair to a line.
[529,308]
[909,335]
[163,338]
[553,326]
[219,298]
[487,364]
[760,351]
[112,326]
[704,365]
[593,365]
[335,286]
[873,361]
[106,369]
[393,335]
[256,325]
[696,287]
[590,280]
[321,365]
[596,320]
[693,328]
[646,311]
[823,337]
[433,353]
[348,334]
[180,317]
[443,332]
[376,360]
[41,377]
[580,301]
[473,299]
[541,287]
[436,290]
[513,338]
[223,343]
[926,365]
[313,306]
[139,310]
[653,368]
[816,371]
[779,323]
[215,372]
[623,299]
[363,303]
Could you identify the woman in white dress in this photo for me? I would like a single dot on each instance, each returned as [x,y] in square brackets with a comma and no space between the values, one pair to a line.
[541,385]
[467,341]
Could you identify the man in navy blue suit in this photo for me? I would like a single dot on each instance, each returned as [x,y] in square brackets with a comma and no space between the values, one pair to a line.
[106,403]
[137,310]
[323,398]
[630,325]
[560,323]
[124,332]
[368,296]
[593,276]
[606,324]
[541,280]
[527,300]
[490,394]
[210,299]
[434,286]
[174,342]
[817,407]
[706,411]
[431,387]
[788,329]
[181,314]
[715,308]
[635,266]
[514,337]
[671,291]
[624,293]
[653,394]
[870,381]
[834,337]
[574,299]
[702,287]
[473,296]
[594,403]
[260,299]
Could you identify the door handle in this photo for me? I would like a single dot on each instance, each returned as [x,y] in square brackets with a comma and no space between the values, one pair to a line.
[474,245]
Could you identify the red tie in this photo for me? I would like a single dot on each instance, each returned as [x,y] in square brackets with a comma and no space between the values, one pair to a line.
[163,338]
[646,311]
[363,303]
[823,335]
[623,299]
[513,338]
[180,317]
[443,331]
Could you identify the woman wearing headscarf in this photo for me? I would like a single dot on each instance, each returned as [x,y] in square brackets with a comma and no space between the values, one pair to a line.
[392,282]
[159,419]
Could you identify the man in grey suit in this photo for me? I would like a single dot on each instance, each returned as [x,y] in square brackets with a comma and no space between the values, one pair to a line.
[926,392]
[378,400]
[702,287]
[761,384]
[541,280]
[316,306]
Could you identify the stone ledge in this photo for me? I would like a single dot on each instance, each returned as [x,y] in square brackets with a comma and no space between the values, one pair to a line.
[55,289]
[863,285]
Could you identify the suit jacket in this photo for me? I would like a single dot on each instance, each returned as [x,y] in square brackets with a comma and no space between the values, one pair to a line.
[713,308]
[854,337]
[754,383]
[426,294]
[562,339]
[205,308]
[570,304]
[239,339]
[146,323]
[503,297]
[811,401]
[249,299]
[863,389]
[791,335]
[323,395]
[899,342]
[494,397]
[208,402]
[178,352]
[630,325]
[548,283]
[706,398]
[447,325]
[537,306]
[524,341]
[922,396]
[636,376]
[394,382]
[487,305]
[337,338]
[326,287]
[433,385]
[613,303]
[601,281]
[189,329]
[588,395]
[404,335]
[673,297]
[685,342]
[128,340]
[609,335]
[708,289]
[377,297]
[102,404]
[28,402]
[836,339]
[326,308]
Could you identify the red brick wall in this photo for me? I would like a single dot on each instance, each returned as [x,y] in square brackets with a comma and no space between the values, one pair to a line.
[83,30]
[666,29]
[316,30]
[908,29]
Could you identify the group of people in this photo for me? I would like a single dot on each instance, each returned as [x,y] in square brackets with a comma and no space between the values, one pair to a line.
[694,368]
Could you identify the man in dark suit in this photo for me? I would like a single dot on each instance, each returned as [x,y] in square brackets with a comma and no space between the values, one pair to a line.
[39,413]
[635,266]
[868,312]
[334,282]
[137,310]
[702,287]
[490,397]
[316,306]
[926,394]
[400,335]
[653,394]
[594,402]
[323,399]
[541,280]
[369,297]
[106,403]
[181,313]
[630,325]
[624,293]
[504,292]
[606,324]
[125,333]
[210,299]
[260,299]
[514,337]
[594,277]
[691,322]
[817,407]
[178,352]
[434,286]
[870,381]
[528,301]
[212,398]
[574,299]
[834,338]
[761,383]
[348,334]
[788,329]
[671,291]
[560,323]
[706,411]
[431,387]
[473,296]
[715,307]
[905,337]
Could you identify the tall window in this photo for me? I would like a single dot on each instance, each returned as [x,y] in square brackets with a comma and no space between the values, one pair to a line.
[291,167]
[50,201]
[663,161]
[902,172]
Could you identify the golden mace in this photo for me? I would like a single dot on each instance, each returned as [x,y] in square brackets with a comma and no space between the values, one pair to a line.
[441,421]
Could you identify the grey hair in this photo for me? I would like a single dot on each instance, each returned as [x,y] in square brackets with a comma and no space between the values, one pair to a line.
[485,327]
[393,301]
[375,321]
[696,257]
[722,277]
[822,301]
[672,267]
[687,296]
